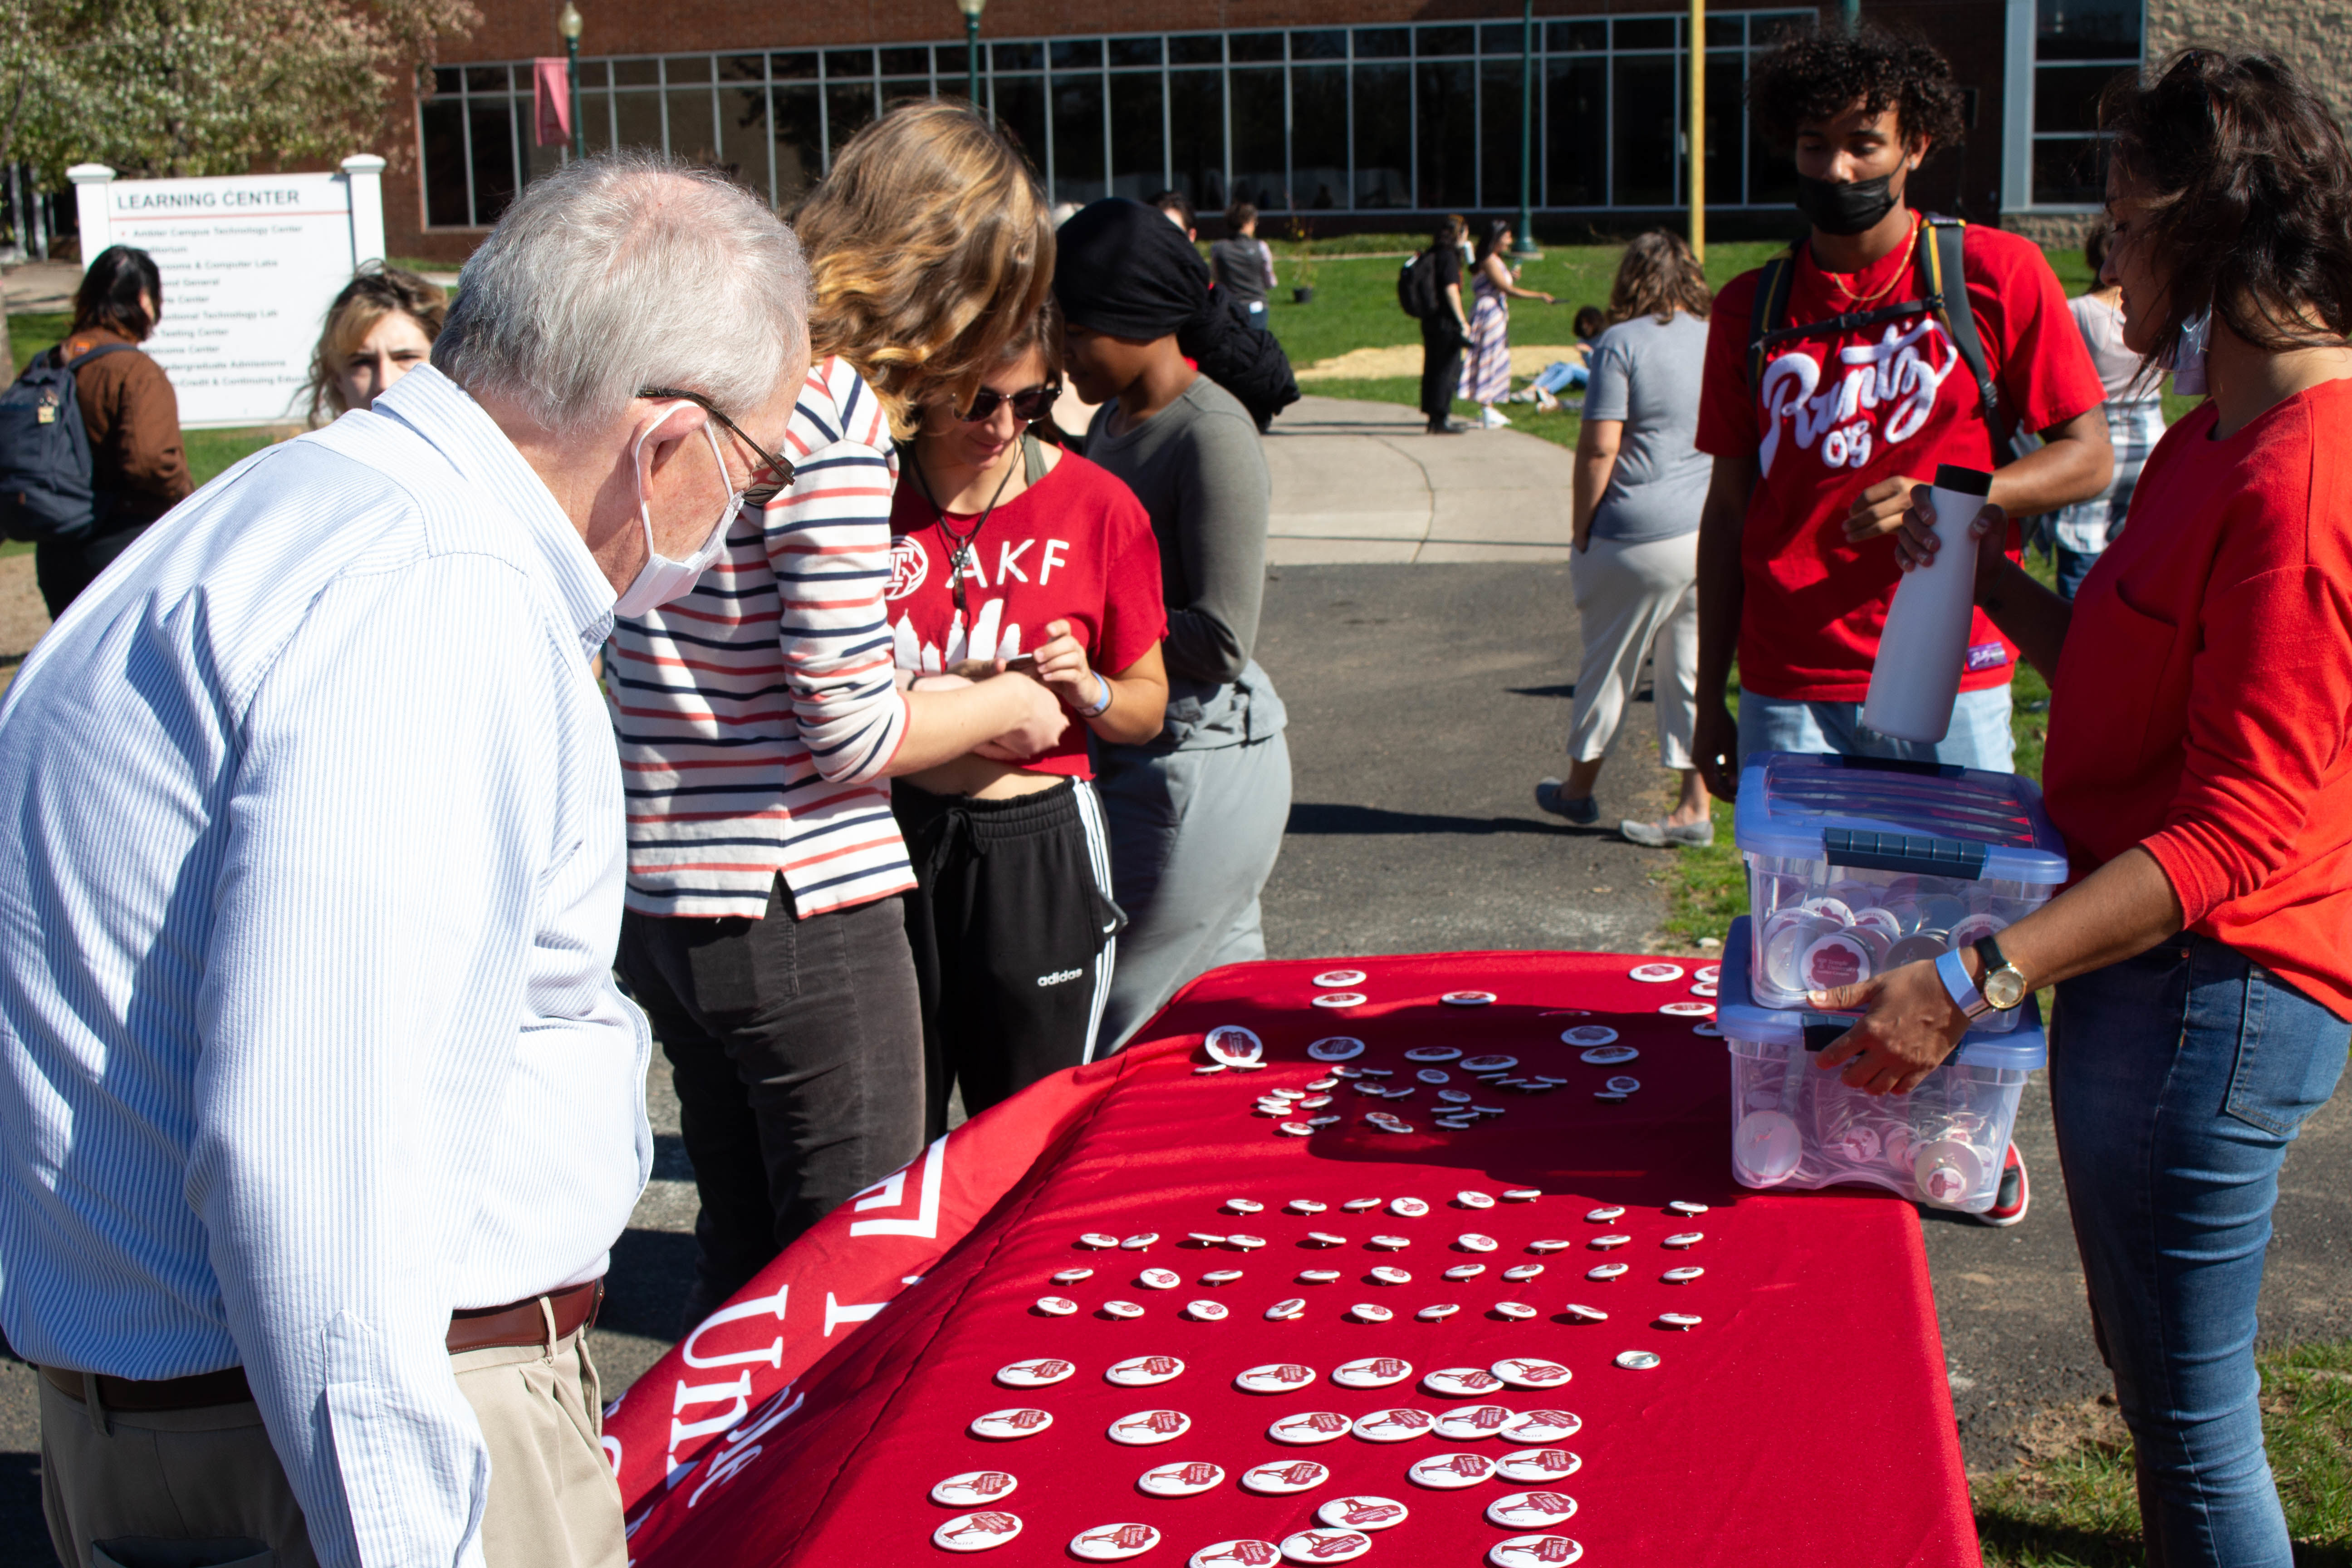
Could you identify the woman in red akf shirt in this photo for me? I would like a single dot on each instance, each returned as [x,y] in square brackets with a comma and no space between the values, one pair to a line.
[1008,553]
[2199,762]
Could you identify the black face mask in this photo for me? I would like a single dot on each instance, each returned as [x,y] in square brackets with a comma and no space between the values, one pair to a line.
[1848,208]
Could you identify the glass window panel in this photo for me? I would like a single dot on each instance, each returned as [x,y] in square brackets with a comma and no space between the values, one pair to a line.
[445,164]
[848,62]
[1018,57]
[1499,147]
[1077,138]
[1019,102]
[793,68]
[1383,135]
[1501,38]
[1445,134]
[2065,169]
[637,73]
[1196,49]
[1428,41]
[1075,54]
[1323,44]
[640,117]
[591,73]
[1384,43]
[1196,129]
[1138,142]
[691,134]
[742,68]
[491,121]
[596,121]
[1256,47]
[485,78]
[2087,30]
[900,88]
[1259,154]
[1135,51]
[680,69]
[848,109]
[743,135]
[538,160]
[1725,126]
[1645,129]
[1725,32]
[1576,132]
[1576,38]
[799,146]
[907,62]
[1645,33]
[1771,170]
[447,79]
[2066,98]
[1318,137]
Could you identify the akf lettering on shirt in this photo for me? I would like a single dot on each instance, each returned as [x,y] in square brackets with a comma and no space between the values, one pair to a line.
[1831,415]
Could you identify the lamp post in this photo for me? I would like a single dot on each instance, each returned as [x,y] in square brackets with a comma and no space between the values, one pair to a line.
[971,9]
[568,23]
[1698,130]
[1525,243]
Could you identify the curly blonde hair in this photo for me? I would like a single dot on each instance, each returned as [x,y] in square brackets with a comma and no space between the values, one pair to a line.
[1658,276]
[374,292]
[932,249]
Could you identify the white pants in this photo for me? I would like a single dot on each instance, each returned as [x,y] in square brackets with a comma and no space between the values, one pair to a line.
[1635,601]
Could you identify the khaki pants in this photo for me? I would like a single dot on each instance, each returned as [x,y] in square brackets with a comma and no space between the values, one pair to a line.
[202,1488]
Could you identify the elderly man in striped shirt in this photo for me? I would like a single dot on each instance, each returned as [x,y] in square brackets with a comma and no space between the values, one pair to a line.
[318,1107]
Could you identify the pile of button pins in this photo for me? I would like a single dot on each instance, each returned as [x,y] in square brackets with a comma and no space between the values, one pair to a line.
[1860,928]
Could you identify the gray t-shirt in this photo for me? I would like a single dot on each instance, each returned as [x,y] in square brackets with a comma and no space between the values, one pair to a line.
[1649,375]
[1197,468]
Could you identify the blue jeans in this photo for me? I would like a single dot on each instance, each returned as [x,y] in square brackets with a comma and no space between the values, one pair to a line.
[2179,1078]
[1979,738]
[2074,566]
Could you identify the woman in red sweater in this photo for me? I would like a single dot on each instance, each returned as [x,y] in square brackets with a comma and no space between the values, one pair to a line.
[2199,762]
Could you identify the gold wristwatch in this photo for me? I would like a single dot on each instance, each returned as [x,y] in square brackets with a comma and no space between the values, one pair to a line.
[2002,983]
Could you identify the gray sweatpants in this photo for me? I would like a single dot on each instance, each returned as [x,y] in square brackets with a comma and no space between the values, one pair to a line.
[1193,837]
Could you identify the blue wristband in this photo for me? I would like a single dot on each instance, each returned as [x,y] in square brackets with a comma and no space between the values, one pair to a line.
[1960,987]
[1103,707]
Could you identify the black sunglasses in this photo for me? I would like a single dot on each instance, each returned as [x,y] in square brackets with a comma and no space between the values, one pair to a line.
[756,494]
[1029,404]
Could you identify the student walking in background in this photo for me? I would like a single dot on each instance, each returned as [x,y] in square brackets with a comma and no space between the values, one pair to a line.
[1640,484]
[2135,419]
[1494,284]
[760,721]
[381,327]
[1197,815]
[1004,547]
[1444,326]
[1242,266]
[139,469]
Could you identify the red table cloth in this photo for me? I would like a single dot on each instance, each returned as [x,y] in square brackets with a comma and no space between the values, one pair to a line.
[1806,1419]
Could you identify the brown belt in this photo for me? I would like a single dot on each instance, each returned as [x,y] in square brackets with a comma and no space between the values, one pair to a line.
[478,1328]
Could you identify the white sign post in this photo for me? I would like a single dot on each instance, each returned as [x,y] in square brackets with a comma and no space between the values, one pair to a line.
[249,263]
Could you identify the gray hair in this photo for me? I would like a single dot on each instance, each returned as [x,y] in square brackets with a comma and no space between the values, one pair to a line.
[627,270]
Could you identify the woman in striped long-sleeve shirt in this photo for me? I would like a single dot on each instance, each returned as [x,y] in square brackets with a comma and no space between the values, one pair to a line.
[761,719]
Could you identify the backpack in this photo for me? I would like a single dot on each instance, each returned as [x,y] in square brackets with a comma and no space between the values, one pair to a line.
[1417,286]
[1936,260]
[46,471]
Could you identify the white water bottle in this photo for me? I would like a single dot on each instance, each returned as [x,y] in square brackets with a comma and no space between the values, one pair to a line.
[1925,646]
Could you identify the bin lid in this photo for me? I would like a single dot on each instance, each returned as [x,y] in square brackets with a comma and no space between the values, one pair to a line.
[1737,1014]
[1929,818]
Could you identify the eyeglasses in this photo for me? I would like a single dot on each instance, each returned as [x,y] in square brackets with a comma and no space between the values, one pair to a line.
[1029,404]
[756,494]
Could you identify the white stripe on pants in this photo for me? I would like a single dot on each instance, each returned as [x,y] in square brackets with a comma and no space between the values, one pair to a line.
[1635,601]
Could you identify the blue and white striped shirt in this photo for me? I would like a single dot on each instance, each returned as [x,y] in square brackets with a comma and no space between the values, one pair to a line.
[308,1032]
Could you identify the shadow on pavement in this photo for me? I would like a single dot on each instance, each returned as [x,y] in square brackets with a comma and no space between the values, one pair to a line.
[1310,816]
[24,1535]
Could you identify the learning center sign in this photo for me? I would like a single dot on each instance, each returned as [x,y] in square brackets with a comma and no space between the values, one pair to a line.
[249,263]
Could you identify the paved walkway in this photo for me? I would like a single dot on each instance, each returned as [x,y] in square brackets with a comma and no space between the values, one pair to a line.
[1363,483]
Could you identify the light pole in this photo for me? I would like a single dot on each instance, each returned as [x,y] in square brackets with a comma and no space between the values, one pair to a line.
[971,9]
[1525,243]
[568,23]
[1698,130]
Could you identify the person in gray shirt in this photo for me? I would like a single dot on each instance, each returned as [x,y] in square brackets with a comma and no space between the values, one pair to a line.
[1640,483]
[1196,815]
[1243,265]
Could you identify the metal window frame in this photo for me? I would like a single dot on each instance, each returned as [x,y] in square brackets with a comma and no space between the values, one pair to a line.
[2021,75]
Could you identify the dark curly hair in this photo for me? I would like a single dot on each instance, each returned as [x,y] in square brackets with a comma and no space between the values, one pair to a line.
[2251,189]
[1817,75]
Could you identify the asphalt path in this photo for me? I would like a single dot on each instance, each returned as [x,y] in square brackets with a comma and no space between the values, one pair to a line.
[1425,701]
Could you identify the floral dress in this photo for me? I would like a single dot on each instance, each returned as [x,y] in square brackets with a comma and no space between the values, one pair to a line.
[1486,362]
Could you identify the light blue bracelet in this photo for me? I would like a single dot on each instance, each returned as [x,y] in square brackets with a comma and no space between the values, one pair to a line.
[1958,986]
[1103,707]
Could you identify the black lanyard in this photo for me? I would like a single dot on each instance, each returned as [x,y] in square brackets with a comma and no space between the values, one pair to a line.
[960,554]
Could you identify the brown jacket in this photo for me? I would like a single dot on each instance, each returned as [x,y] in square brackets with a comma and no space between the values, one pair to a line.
[133,419]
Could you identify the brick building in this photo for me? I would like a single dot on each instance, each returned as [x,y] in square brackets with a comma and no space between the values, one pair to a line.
[1349,114]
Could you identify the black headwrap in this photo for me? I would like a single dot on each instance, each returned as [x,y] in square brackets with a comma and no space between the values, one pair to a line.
[1121,268]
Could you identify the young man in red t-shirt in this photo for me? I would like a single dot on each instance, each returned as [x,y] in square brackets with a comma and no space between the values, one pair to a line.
[1815,457]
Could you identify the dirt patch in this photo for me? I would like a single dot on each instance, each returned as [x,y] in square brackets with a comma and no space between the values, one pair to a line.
[23,616]
[1380,364]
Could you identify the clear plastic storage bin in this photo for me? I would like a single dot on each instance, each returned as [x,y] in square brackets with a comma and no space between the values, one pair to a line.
[1793,1125]
[1856,864]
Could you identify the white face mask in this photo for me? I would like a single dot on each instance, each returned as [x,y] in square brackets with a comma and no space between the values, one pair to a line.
[661,579]
[2186,360]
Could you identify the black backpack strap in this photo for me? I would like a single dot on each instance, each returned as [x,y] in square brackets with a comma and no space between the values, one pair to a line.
[1772,285]
[1943,284]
